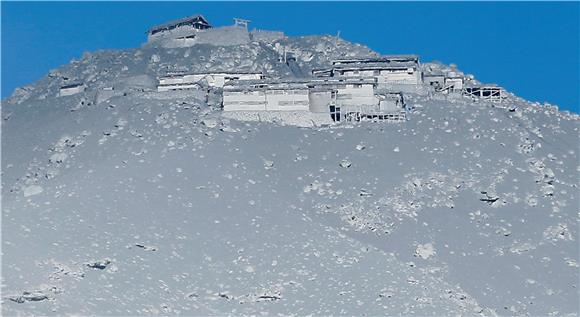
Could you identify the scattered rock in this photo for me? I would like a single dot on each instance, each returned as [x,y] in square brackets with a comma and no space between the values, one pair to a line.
[345,164]
[99,265]
[26,296]
[210,123]
[268,164]
[146,247]
[425,251]
[32,190]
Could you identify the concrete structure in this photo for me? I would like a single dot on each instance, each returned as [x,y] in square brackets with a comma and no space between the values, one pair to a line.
[453,82]
[223,36]
[434,79]
[178,29]
[388,70]
[275,95]
[337,98]
[490,92]
[180,81]
[71,89]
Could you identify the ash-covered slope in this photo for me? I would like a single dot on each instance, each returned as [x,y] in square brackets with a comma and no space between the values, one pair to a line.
[111,68]
[149,204]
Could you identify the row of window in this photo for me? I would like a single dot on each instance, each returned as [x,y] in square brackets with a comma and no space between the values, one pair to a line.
[293,103]
[287,92]
[269,92]
[261,103]
[409,71]
[244,103]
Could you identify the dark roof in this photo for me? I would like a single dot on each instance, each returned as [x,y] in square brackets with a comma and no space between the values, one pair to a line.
[72,85]
[434,73]
[226,72]
[375,65]
[194,18]
[379,59]
[293,83]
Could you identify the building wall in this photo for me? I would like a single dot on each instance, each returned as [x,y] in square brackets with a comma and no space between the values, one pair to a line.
[182,31]
[244,100]
[266,100]
[319,101]
[171,87]
[410,76]
[456,82]
[224,36]
[287,100]
[356,94]
[434,80]
[213,80]
[395,76]
[219,80]
[185,79]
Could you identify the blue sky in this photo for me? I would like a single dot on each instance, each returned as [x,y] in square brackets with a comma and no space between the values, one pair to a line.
[530,48]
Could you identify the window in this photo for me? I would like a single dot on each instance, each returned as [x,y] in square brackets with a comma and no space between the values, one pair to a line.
[334,113]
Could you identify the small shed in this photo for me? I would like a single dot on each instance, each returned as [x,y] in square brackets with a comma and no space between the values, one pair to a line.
[454,82]
[434,79]
[71,89]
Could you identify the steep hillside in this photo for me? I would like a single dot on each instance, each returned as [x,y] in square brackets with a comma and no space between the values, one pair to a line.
[152,203]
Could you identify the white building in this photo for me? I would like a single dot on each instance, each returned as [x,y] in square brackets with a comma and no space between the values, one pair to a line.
[266,95]
[337,98]
[434,79]
[453,82]
[177,82]
[219,79]
[180,81]
[71,89]
[388,70]
[179,29]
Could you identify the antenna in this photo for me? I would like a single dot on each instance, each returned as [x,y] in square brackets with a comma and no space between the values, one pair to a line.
[337,37]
